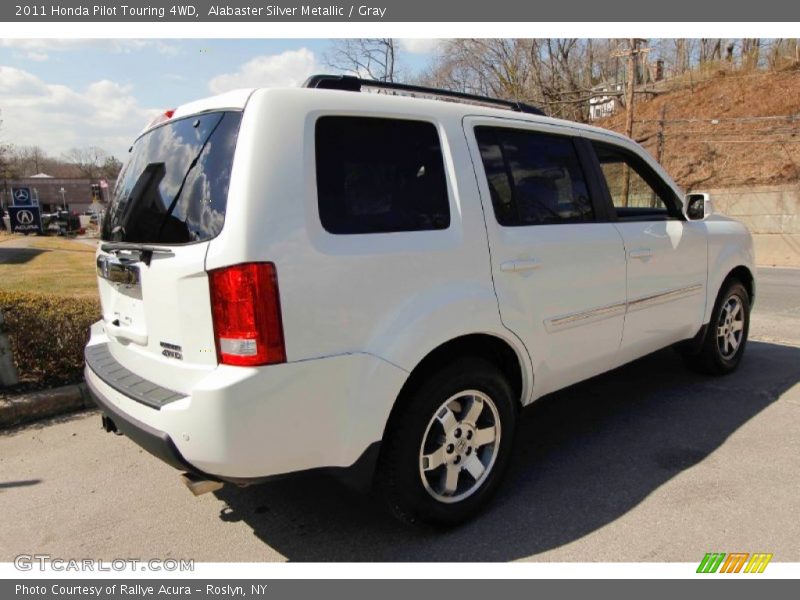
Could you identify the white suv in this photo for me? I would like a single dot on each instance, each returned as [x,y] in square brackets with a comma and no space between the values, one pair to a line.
[377,283]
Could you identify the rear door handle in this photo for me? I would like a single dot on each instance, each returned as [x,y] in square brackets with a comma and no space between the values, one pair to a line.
[641,253]
[517,266]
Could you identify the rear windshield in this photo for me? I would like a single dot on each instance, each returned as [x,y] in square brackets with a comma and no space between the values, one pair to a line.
[174,187]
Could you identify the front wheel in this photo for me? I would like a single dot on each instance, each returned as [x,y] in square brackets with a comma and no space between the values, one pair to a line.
[726,337]
[445,452]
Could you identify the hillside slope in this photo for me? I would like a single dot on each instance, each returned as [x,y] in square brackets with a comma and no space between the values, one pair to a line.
[731,130]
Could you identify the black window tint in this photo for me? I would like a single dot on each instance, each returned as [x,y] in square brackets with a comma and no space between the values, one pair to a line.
[534,178]
[380,175]
[174,187]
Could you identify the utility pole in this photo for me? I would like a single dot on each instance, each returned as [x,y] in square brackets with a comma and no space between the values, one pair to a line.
[631,54]
[662,120]
[661,124]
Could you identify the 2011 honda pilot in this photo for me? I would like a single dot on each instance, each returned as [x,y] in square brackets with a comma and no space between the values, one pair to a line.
[323,277]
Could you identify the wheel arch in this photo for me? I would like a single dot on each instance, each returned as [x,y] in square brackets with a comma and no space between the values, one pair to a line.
[741,273]
[730,254]
[489,347]
[745,275]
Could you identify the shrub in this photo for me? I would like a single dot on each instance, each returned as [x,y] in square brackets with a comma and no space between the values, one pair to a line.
[47,335]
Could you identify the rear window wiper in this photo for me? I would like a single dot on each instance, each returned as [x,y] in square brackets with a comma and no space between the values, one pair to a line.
[145,251]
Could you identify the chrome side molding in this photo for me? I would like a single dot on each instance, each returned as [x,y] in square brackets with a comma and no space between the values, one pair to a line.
[662,297]
[562,322]
[584,317]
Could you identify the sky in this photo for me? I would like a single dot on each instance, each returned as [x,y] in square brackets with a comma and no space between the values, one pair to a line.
[73,93]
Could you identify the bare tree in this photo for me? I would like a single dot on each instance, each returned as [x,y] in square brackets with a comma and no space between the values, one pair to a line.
[111,167]
[781,53]
[486,67]
[88,161]
[710,50]
[751,52]
[562,74]
[373,58]
[5,171]
[729,48]
[30,160]
[4,148]
[557,74]
[682,55]
[561,77]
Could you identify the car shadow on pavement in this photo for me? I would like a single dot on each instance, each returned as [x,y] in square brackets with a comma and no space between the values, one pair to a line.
[584,457]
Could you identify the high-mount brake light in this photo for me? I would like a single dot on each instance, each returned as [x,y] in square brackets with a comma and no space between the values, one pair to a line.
[246,310]
[165,116]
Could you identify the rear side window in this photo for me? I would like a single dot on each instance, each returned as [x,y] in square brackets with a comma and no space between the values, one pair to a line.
[380,175]
[534,178]
[174,187]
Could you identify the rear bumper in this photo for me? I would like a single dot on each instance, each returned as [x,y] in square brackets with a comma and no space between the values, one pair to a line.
[251,424]
[156,442]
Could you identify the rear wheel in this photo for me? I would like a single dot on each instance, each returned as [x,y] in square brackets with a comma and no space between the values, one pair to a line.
[726,337]
[444,454]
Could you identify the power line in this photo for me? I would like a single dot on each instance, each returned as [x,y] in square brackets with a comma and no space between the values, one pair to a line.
[714,121]
[755,141]
[722,134]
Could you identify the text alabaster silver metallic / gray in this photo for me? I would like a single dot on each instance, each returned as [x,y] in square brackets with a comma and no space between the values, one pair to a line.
[410,11]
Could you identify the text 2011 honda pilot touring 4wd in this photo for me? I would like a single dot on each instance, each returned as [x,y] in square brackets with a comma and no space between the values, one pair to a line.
[294,279]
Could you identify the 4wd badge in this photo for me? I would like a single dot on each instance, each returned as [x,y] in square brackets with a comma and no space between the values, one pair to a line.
[171,350]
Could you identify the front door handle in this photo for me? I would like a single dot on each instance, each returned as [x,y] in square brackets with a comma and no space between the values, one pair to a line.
[641,253]
[517,266]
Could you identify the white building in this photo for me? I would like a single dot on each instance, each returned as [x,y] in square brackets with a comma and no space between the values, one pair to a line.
[601,104]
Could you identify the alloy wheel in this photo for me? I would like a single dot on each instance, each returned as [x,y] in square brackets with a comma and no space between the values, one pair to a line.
[459,448]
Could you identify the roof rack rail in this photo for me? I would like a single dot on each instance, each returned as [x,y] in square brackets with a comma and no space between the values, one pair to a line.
[349,83]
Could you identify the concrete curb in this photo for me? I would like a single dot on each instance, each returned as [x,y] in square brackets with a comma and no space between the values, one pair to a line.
[33,406]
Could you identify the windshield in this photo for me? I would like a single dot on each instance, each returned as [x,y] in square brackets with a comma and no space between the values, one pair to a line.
[174,187]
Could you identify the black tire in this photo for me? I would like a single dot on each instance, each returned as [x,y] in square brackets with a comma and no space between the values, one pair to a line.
[712,358]
[400,477]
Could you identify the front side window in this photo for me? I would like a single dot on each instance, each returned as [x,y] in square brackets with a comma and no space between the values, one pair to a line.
[377,175]
[534,178]
[636,192]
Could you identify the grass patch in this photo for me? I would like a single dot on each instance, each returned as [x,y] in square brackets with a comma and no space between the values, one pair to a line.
[60,243]
[53,266]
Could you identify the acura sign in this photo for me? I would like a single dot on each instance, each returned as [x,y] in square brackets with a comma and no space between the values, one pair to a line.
[25,219]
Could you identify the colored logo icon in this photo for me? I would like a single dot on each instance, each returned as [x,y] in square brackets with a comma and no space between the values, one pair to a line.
[735,562]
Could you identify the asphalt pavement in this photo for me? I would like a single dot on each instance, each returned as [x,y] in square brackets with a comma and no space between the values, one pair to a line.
[647,463]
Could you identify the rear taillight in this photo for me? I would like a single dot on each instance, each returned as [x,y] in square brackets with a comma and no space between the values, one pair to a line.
[246,309]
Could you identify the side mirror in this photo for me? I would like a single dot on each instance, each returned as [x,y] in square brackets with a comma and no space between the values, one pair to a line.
[698,207]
